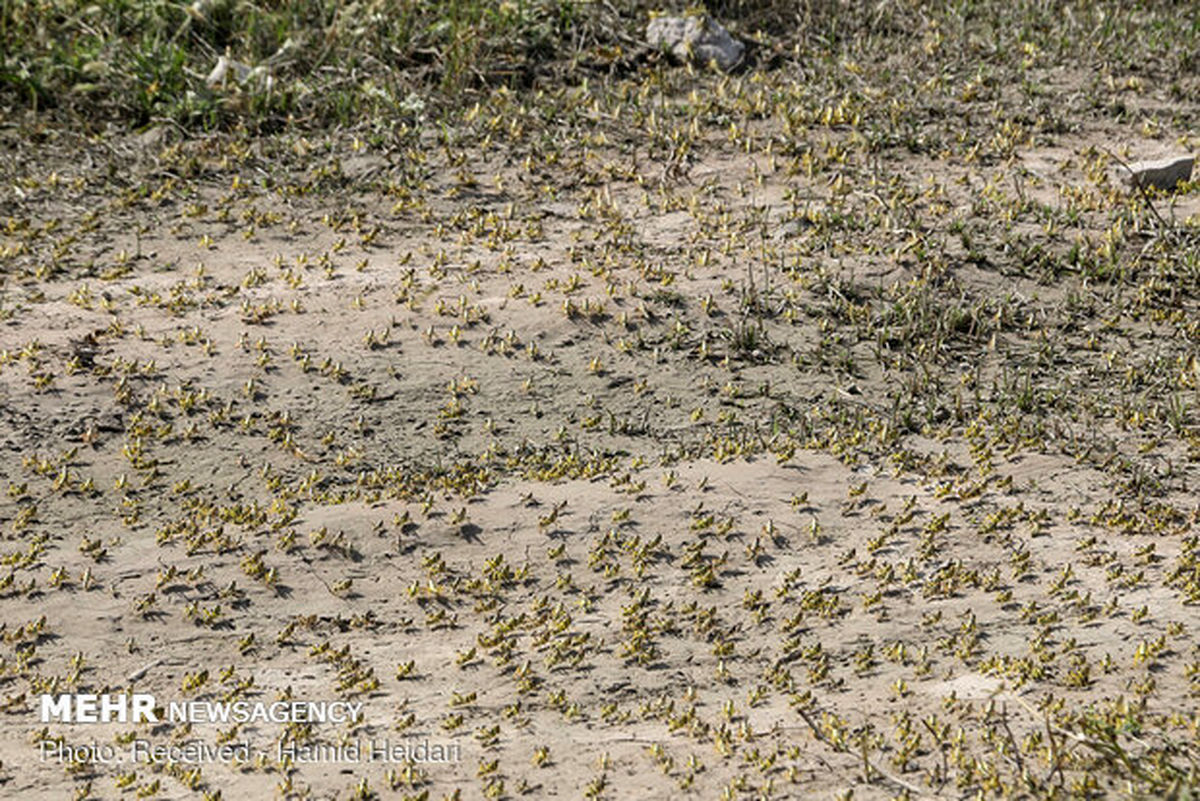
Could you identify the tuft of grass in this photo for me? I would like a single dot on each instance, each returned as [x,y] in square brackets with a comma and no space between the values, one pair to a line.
[137,62]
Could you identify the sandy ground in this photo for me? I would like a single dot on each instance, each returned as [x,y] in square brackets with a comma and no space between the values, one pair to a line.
[500,464]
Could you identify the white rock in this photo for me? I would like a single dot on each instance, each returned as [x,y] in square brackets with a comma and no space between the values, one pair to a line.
[1163,174]
[699,39]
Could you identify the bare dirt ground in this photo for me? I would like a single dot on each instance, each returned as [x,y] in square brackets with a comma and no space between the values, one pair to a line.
[666,446]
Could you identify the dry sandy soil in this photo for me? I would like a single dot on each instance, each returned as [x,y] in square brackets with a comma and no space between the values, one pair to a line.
[742,469]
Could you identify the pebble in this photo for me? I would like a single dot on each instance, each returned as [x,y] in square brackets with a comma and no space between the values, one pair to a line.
[696,38]
[1162,174]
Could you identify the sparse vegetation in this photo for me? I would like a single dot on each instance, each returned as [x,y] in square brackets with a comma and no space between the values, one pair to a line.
[826,428]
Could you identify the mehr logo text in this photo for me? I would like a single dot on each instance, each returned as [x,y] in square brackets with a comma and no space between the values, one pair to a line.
[143,708]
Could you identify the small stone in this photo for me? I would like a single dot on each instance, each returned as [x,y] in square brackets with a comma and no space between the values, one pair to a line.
[1163,174]
[699,39]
